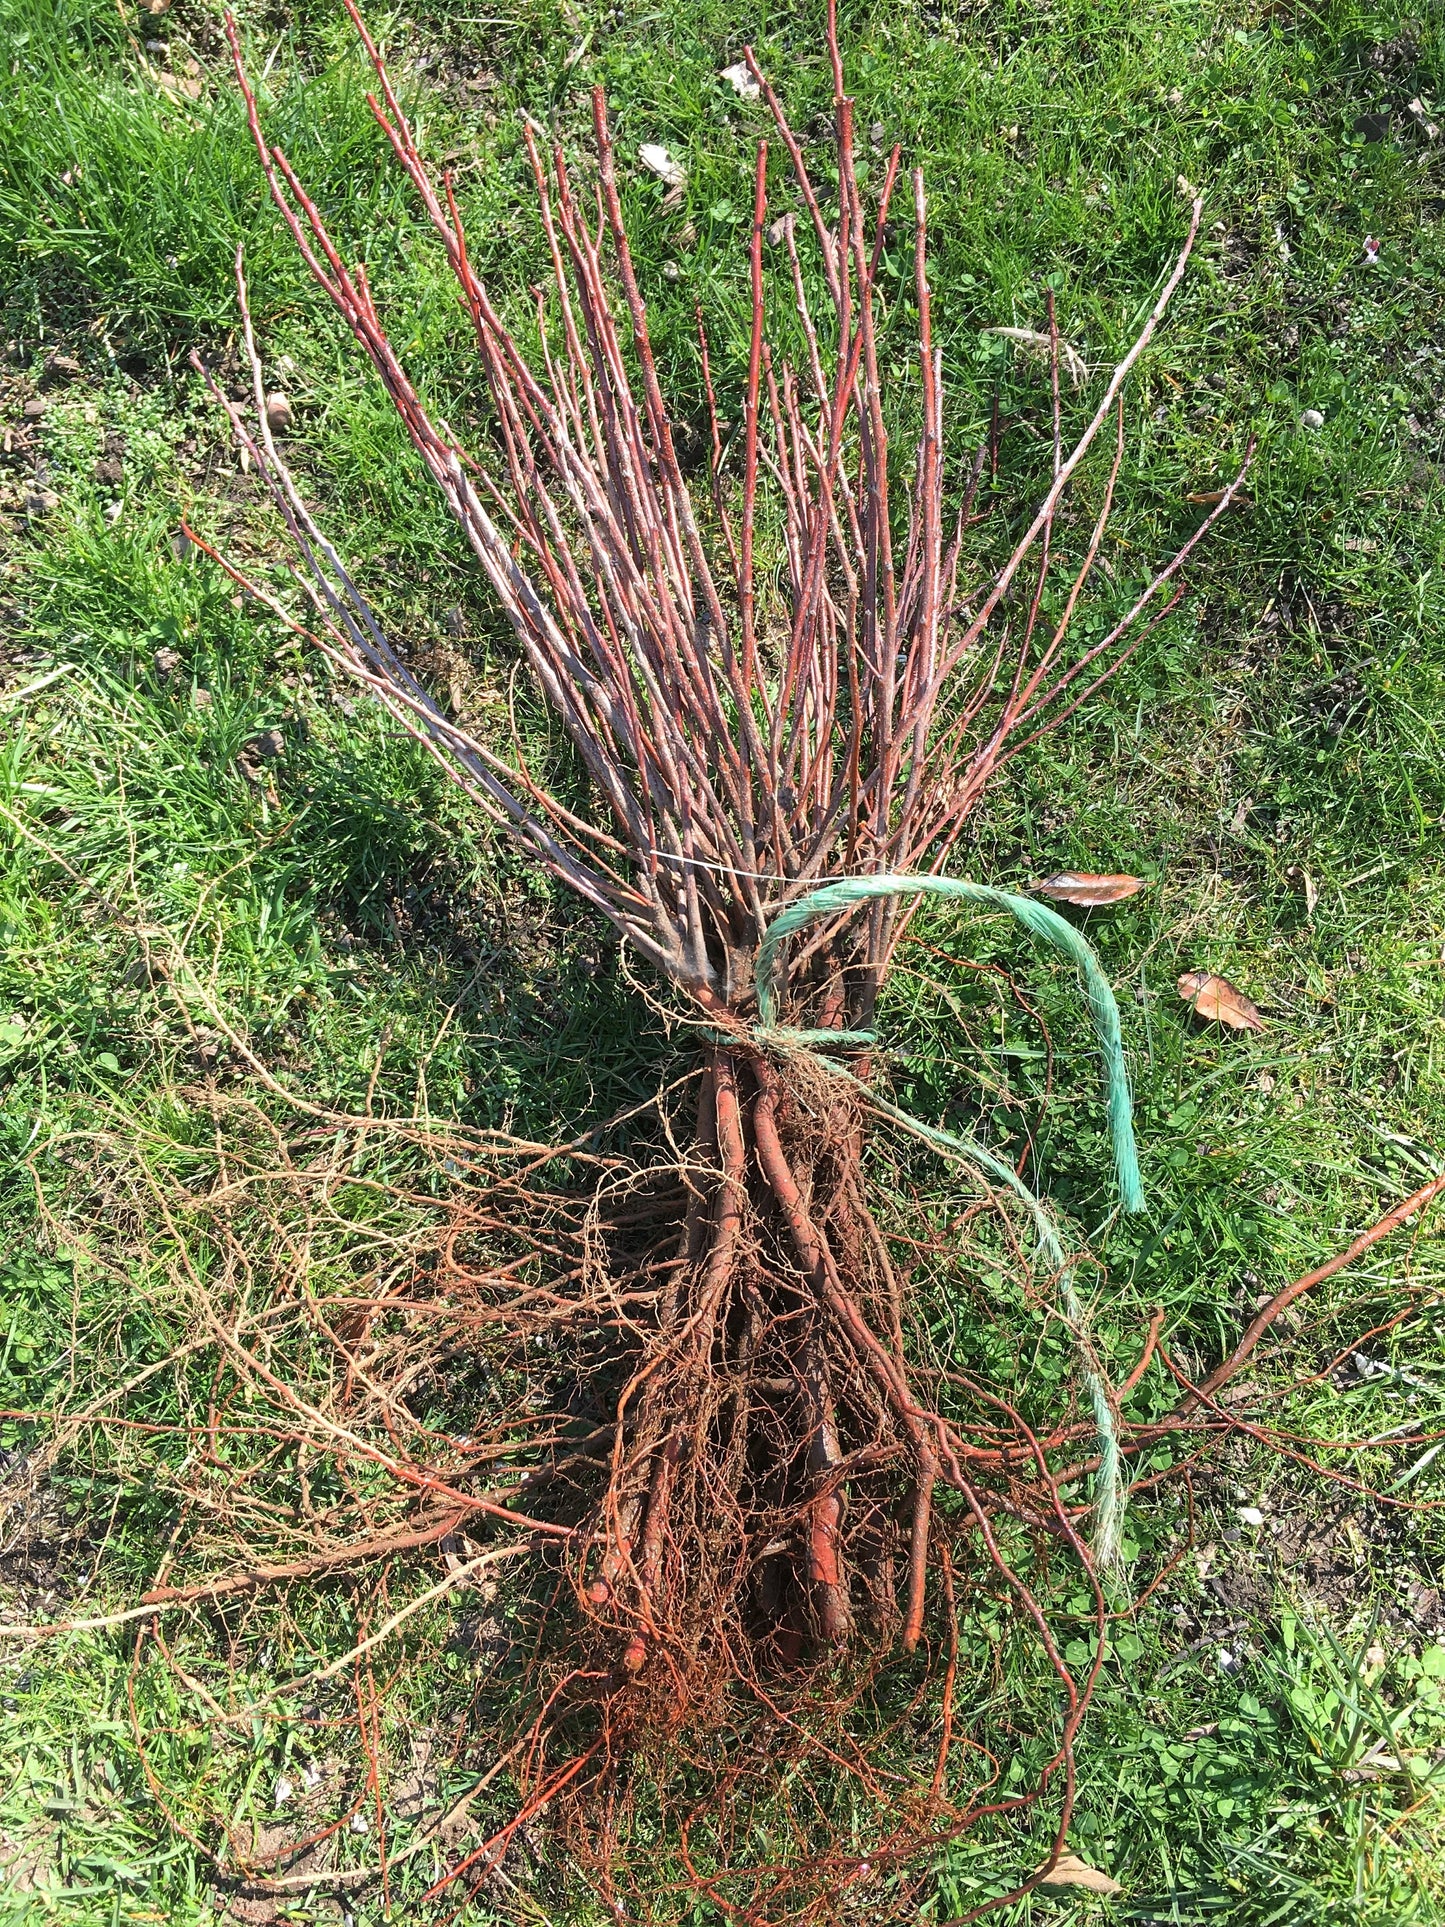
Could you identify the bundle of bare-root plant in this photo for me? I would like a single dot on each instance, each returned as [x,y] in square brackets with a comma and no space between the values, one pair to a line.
[788,691]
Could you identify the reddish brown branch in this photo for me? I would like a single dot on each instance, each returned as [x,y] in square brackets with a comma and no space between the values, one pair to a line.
[1282,1300]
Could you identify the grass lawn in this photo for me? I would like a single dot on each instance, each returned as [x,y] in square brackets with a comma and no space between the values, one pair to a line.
[238,908]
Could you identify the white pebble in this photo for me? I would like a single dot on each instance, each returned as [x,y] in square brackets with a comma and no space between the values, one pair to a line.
[1312,418]
[1251,1515]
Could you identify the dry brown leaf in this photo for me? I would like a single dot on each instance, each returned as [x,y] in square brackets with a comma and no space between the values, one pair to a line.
[1070,1871]
[1080,886]
[1218,1001]
[1208,498]
[181,88]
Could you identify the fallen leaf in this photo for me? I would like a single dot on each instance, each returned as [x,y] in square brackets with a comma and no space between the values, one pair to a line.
[1218,1001]
[671,172]
[741,81]
[1079,886]
[1040,346]
[1208,498]
[180,87]
[1070,1871]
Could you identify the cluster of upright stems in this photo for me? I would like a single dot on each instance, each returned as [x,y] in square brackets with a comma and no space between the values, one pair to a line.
[787,681]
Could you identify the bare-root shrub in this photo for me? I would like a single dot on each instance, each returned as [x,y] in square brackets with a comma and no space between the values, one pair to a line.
[788,690]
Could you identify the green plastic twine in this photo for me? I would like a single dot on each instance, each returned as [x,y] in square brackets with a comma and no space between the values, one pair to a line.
[1040,922]
[1108,1485]
[1047,924]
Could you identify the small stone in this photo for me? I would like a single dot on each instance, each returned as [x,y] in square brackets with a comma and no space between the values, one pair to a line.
[34,408]
[41,501]
[201,697]
[1374,127]
[166,661]
[877,133]
[284,1791]
[268,743]
[279,415]
[1312,418]
[1251,1515]
[66,366]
